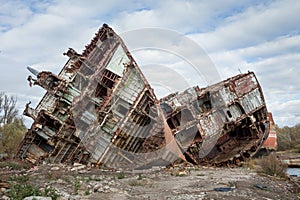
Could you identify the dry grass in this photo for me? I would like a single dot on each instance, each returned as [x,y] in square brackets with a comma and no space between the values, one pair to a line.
[272,166]
[249,164]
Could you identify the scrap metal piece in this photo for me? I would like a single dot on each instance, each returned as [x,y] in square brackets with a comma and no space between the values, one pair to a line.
[100,110]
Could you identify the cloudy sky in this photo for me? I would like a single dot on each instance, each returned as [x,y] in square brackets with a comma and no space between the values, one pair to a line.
[256,35]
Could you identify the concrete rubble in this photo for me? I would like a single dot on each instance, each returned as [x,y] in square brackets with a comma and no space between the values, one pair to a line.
[101,110]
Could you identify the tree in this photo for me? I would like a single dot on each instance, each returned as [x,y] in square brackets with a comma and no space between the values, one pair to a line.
[8,111]
[12,127]
[288,138]
[12,135]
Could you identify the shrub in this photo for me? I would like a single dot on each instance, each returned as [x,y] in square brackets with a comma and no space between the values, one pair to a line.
[12,135]
[271,165]
[20,191]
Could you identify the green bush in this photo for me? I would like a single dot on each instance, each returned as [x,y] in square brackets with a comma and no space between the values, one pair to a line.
[20,191]
[12,135]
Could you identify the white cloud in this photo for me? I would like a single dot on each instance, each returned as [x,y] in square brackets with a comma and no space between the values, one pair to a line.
[287,113]
[257,24]
[229,61]
[184,16]
[13,15]
[255,35]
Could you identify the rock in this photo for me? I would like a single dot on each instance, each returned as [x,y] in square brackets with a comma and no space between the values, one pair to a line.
[182,173]
[59,181]
[5,197]
[62,198]
[101,188]
[4,185]
[106,187]
[37,198]
[97,187]
[114,190]
[54,168]
[78,168]
[77,164]
[83,171]
[2,190]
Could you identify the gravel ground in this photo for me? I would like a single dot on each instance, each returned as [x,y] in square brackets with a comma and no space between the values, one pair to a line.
[180,182]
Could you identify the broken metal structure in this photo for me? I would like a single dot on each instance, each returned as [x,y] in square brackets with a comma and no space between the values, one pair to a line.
[270,143]
[101,110]
[225,122]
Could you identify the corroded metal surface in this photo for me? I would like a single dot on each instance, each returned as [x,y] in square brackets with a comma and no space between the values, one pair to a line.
[271,142]
[101,110]
[224,122]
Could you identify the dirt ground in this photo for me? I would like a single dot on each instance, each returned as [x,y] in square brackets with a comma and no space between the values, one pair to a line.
[180,182]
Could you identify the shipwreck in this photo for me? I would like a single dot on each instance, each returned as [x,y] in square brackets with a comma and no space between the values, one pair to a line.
[100,110]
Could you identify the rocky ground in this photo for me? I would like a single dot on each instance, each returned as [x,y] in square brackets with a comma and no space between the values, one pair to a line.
[180,182]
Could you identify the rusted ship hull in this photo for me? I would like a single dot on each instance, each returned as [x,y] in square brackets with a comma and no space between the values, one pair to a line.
[225,122]
[101,110]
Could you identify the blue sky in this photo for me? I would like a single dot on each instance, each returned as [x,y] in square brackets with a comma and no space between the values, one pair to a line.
[262,36]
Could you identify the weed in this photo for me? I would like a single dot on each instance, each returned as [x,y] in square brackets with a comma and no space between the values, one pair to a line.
[19,179]
[200,174]
[50,192]
[180,175]
[121,175]
[20,191]
[14,165]
[87,192]
[67,180]
[76,186]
